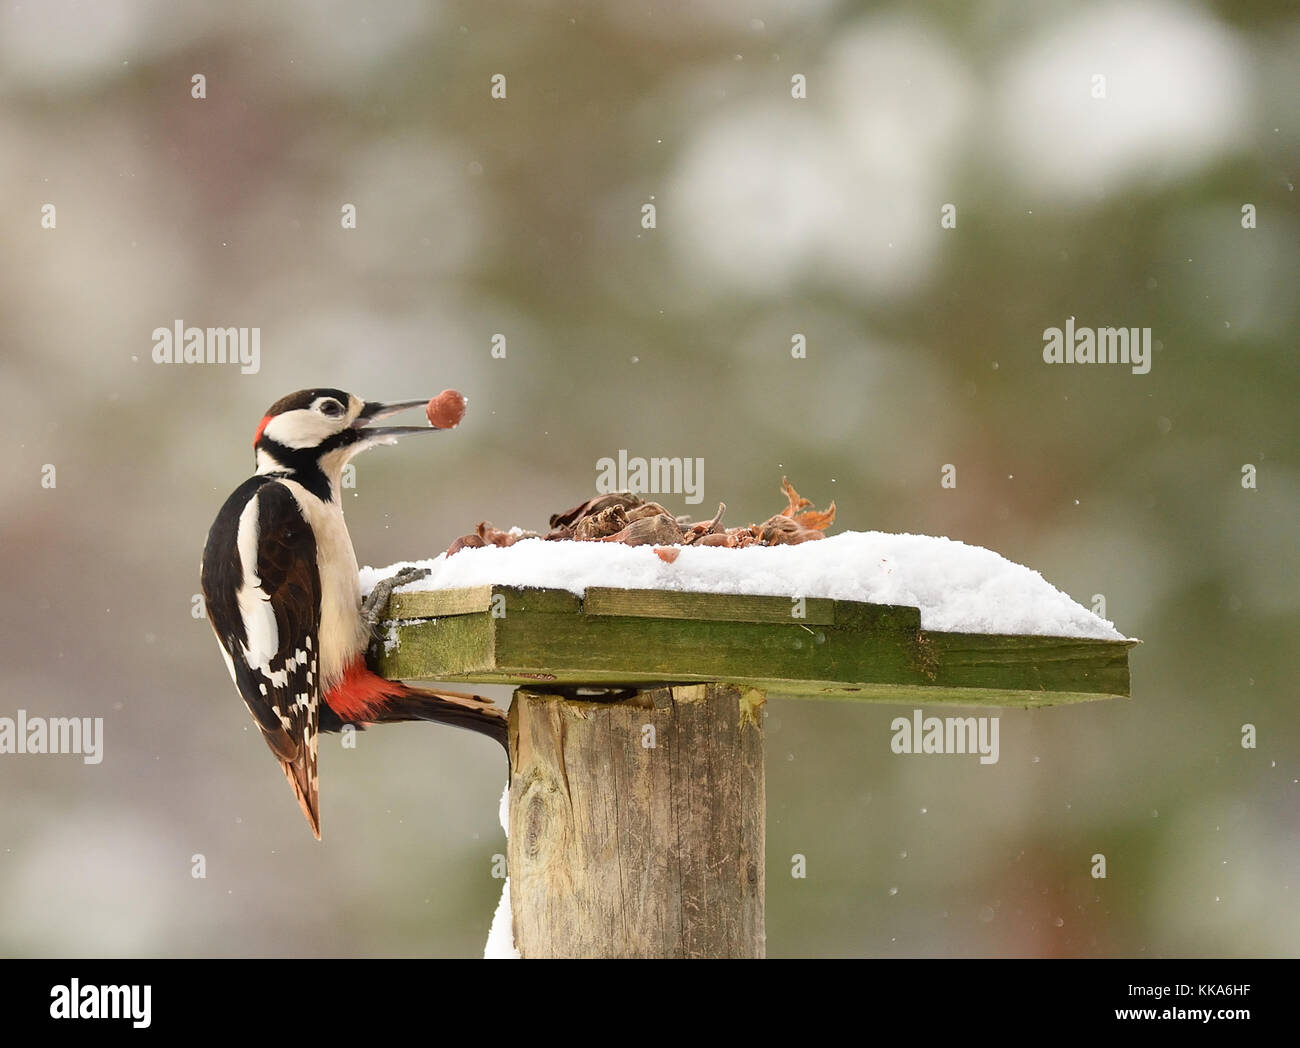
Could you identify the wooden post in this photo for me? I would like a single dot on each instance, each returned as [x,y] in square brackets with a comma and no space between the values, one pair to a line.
[637,825]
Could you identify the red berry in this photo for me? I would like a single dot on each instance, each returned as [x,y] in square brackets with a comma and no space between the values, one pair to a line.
[445,410]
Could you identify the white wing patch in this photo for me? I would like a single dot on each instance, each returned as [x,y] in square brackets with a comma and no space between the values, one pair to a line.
[260,629]
[246,542]
[230,665]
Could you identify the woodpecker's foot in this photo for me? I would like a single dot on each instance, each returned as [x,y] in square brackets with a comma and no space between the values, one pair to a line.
[374,606]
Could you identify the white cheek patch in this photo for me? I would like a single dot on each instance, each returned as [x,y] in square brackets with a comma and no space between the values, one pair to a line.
[302,428]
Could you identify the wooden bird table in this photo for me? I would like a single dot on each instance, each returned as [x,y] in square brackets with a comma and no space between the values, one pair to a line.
[636,736]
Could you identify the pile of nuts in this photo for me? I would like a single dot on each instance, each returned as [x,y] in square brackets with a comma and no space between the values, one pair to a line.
[631,520]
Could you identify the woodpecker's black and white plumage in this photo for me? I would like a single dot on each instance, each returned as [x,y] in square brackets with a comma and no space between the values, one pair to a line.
[284,598]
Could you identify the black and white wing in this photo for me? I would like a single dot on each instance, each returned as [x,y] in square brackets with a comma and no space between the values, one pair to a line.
[262,590]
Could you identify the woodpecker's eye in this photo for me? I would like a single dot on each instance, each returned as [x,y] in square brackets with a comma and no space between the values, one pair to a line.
[331,408]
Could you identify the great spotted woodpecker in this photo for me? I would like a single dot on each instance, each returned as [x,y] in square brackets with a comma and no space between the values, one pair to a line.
[283,596]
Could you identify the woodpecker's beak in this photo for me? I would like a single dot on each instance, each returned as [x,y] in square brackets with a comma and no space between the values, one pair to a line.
[373,411]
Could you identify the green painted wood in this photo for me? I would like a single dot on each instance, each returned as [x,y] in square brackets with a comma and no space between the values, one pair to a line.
[866,652]
[671,604]
[431,604]
[452,647]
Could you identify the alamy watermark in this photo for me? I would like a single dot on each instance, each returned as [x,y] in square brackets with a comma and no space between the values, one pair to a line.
[71,1000]
[179,344]
[53,735]
[1107,345]
[654,476]
[923,734]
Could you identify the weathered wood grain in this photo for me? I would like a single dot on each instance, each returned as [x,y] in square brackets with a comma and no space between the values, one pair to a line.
[736,607]
[623,849]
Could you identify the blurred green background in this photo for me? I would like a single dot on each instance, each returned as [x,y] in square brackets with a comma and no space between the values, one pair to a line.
[775,216]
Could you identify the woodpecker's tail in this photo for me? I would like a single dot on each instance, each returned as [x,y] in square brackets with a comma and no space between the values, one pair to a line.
[302,777]
[443,707]
[363,697]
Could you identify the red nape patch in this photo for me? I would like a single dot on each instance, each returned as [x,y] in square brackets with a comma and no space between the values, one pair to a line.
[361,694]
[261,426]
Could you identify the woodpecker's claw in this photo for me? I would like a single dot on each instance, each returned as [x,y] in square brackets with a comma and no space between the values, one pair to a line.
[376,604]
